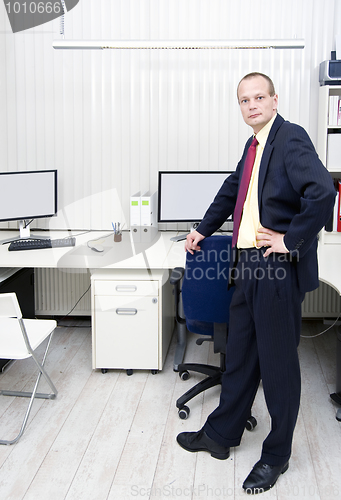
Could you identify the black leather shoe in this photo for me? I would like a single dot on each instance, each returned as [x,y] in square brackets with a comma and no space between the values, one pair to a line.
[199,441]
[263,477]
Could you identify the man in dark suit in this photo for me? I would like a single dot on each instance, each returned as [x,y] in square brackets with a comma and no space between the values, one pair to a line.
[290,197]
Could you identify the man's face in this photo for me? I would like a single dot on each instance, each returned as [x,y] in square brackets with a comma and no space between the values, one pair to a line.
[256,104]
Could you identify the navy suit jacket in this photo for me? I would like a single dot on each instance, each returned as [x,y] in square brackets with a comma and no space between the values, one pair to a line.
[295,195]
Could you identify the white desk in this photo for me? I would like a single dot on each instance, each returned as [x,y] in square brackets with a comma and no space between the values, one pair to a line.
[122,255]
[131,299]
[329,254]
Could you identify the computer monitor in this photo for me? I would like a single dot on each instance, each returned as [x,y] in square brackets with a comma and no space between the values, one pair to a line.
[27,195]
[185,196]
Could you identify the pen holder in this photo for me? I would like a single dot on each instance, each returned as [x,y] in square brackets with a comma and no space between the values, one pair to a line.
[117,237]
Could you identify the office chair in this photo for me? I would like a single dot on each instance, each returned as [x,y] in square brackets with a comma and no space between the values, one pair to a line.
[19,338]
[206,300]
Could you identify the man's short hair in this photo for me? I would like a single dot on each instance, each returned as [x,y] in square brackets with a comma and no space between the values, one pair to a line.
[272,91]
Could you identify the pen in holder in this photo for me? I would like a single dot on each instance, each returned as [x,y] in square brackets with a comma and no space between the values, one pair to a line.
[117,232]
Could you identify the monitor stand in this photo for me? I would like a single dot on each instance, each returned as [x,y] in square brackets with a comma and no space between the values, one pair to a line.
[24,234]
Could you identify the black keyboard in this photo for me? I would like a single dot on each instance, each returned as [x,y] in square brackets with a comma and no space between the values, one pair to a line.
[35,244]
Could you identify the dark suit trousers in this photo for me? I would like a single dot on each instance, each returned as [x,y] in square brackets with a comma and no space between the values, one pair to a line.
[264,333]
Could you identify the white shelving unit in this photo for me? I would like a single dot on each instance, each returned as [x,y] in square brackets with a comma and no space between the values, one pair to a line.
[325,130]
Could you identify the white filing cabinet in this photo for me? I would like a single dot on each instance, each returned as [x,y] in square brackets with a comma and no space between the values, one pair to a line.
[132,318]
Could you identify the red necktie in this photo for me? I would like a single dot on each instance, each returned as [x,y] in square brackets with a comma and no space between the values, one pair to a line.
[244,185]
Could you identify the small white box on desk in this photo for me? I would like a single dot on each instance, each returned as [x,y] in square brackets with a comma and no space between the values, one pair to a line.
[135,217]
[149,226]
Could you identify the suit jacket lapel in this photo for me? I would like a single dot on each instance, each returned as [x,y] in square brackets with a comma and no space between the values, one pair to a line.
[267,155]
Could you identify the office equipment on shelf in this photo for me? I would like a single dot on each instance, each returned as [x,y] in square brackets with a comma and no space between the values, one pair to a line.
[25,196]
[206,300]
[330,72]
[36,244]
[19,338]
[185,196]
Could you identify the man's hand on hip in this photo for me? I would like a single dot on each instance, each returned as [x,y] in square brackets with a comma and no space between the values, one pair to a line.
[271,239]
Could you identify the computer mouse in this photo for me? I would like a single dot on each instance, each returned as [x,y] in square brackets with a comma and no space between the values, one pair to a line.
[97,248]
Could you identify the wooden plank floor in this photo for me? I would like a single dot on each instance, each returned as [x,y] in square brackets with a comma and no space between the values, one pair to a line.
[111,436]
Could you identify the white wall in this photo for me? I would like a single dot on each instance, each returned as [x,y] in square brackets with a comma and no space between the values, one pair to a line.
[109,120]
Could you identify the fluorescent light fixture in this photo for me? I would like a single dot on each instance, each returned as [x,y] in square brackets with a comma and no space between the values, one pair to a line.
[179,44]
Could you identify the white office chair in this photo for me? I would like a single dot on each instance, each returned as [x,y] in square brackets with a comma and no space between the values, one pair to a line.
[19,338]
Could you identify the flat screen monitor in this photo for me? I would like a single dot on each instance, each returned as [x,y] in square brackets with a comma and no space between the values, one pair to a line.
[27,195]
[185,196]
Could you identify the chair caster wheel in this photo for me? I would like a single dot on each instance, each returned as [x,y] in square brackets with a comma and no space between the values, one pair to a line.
[184,412]
[104,370]
[184,375]
[154,372]
[129,372]
[250,423]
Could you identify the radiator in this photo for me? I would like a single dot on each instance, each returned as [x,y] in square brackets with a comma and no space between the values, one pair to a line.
[324,302]
[57,292]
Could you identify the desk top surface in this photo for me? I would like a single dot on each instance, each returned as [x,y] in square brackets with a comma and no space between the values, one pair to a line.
[160,253]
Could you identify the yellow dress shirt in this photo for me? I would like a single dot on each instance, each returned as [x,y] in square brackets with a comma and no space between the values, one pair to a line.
[250,222]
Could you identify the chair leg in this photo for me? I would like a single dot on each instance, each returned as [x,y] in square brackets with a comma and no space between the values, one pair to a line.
[201,386]
[32,395]
[179,355]
[209,370]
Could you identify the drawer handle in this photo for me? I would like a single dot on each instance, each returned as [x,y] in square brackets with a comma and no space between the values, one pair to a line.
[126,288]
[126,310]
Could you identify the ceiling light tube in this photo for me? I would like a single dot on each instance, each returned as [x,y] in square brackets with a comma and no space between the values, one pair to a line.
[178,44]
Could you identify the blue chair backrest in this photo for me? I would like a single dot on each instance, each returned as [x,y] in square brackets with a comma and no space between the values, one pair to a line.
[205,295]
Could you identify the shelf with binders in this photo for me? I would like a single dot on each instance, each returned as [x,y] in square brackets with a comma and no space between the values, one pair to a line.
[328,148]
[329,121]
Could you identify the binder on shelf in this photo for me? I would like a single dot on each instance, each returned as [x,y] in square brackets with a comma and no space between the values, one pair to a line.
[336,212]
[333,152]
[135,216]
[334,118]
[339,209]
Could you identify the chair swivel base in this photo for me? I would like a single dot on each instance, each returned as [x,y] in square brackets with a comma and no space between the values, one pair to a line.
[214,378]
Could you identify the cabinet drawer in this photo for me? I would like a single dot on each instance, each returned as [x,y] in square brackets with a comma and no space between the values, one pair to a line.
[126,332]
[103,287]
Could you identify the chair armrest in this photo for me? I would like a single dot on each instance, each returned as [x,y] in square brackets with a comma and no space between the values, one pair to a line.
[176,275]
